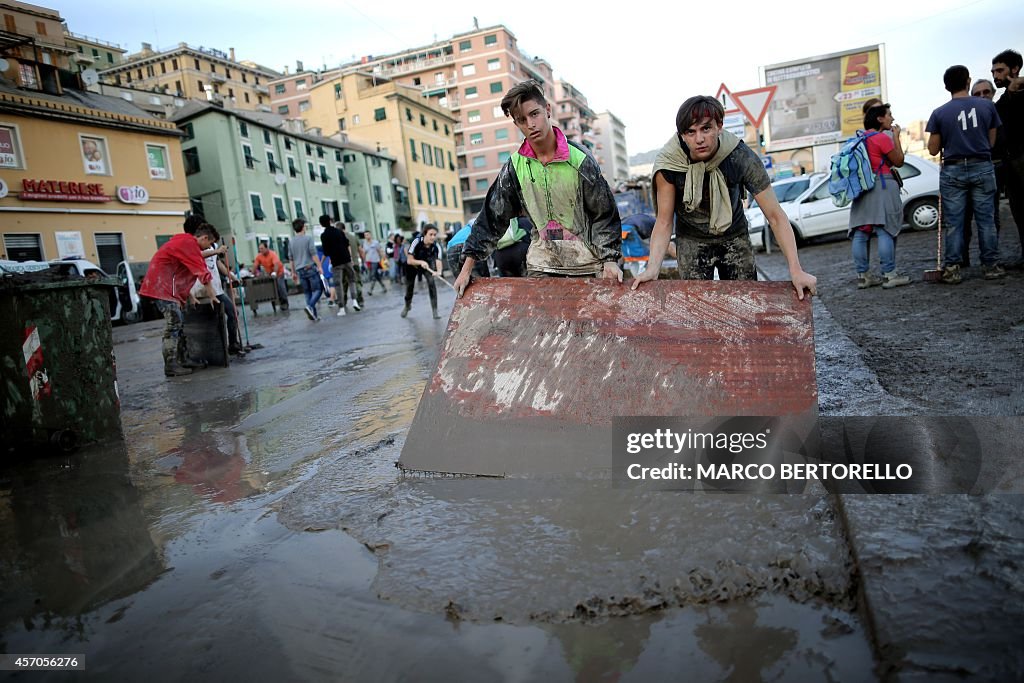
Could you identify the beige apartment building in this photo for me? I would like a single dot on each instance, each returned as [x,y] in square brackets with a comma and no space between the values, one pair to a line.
[37,35]
[467,74]
[610,148]
[392,118]
[196,73]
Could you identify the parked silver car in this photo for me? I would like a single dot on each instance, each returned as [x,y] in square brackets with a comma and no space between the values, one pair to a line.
[808,204]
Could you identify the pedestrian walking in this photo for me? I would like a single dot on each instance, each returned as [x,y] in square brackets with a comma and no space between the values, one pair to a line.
[335,246]
[352,281]
[374,256]
[424,254]
[879,211]
[964,130]
[306,267]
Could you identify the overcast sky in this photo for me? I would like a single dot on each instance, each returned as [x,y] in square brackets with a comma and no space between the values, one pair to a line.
[639,61]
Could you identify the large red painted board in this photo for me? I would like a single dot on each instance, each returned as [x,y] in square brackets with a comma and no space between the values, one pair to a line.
[532,371]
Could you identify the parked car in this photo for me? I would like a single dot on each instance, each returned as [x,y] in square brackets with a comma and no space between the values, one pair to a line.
[808,204]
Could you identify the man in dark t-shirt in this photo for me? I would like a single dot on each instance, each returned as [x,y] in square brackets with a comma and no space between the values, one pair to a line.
[424,254]
[700,176]
[1006,68]
[335,246]
[964,130]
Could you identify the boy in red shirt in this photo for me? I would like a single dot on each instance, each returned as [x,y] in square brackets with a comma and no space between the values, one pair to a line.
[172,271]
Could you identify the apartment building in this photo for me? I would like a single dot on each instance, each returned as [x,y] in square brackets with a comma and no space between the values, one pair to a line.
[467,75]
[93,53]
[196,73]
[610,148]
[36,36]
[394,118]
[574,115]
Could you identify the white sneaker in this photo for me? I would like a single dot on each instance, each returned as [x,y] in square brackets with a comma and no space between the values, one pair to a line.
[341,311]
[355,305]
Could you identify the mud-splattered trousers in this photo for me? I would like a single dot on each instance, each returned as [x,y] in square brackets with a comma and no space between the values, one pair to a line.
[174,342]
[734,259]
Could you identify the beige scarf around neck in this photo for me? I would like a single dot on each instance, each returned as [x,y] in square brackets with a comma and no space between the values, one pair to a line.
[673,158]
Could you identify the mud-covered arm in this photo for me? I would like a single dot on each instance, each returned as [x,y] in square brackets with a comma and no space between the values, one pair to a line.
[605,225]
[500,207]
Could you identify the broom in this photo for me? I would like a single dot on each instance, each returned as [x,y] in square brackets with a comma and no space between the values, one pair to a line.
[936,274]
[241,294]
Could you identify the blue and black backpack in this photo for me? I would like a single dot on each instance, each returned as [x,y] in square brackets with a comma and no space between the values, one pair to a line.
[850,174]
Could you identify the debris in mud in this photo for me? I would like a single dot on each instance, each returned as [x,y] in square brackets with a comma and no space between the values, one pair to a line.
[453,612]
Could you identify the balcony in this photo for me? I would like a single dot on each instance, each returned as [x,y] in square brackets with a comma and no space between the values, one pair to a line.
[262,89]
[417,65]
[218,78]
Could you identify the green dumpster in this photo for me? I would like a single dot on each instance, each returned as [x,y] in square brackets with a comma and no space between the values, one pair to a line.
[59,385]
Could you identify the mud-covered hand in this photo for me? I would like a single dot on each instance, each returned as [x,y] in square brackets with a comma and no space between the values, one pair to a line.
[804,281]
[611,271]
[461,282]
[649,275]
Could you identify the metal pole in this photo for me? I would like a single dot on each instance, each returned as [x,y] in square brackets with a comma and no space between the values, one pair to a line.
[241,290]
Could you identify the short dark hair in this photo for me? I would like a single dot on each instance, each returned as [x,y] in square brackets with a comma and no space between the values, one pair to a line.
[213,231]
[340,225]
[264,243]
[696,109]
[873,102]
[325,221]
[1010,58]
[206,230]
[299,224]
[429,226]
[957,78]
[872,115]
[519,93]
[192,222]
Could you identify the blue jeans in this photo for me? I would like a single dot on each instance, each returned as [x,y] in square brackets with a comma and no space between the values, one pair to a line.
[862,250]
[976,179]
[311,285]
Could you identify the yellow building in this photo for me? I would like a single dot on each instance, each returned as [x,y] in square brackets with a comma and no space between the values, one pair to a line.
[396,119]
[196,73]
[84,175]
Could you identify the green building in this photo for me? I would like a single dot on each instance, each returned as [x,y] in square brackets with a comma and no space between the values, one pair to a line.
[251,173]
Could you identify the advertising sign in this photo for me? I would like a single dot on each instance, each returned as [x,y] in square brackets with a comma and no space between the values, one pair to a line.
[69,244]
[818,100]
[132,194]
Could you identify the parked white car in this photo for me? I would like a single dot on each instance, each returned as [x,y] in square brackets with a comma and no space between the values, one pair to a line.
[807,203]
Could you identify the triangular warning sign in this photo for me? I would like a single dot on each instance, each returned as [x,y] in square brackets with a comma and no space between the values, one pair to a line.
[726,98]
[754,103]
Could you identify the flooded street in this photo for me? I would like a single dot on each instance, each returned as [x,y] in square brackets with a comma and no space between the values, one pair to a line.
[253,525]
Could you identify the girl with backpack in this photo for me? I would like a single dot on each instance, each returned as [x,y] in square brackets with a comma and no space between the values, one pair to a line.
[879,211]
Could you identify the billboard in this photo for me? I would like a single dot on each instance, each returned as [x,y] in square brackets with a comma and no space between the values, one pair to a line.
[819,100]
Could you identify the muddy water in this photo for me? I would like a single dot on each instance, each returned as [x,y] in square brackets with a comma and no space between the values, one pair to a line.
[255,525]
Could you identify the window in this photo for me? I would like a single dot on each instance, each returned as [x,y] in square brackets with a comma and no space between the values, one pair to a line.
[341,124]
[342,180]
[491,39]
[243,128]
[279,89]
[408,114]
[157,158]
[293,171]
[150,72]
[455,200]
[196,204]
[244,79]
[503,157]
[432,193]
[423,120]
[282,215]
[300,84]
[412,149]
[473,116]
[94,155]
[337,155]
[444,196]
[257,206]
[191,157]
[337,91]
[189,131]
[446,129]
[309,149]
[481,184]
[287,143]
[40,28]
[497,112]
[266,137]
[227,72]
[177,87]
[427,157]
[312,171]
[197,64]
[24,247]
[320,151]
[355,119]
[163,66]
[282,109]
[324,178]
[10,148]
[494,64]
[501,134]
[380,114]
[250,162]
[246,96]
[419,192]
[378,195]
[438,157]
[110,58]
[299,213]
[174,64]
[465,45]
[10,24]
[476,138]
[303,106]
[468,69]
[496,87]
[329,208]
[471,92]
[272,162]
[451,166]
[479,161]
[435,124]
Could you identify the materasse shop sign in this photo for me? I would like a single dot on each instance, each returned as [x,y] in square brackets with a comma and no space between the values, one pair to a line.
[63,191]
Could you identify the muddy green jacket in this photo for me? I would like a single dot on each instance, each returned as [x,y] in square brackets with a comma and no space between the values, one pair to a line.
[576,223]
